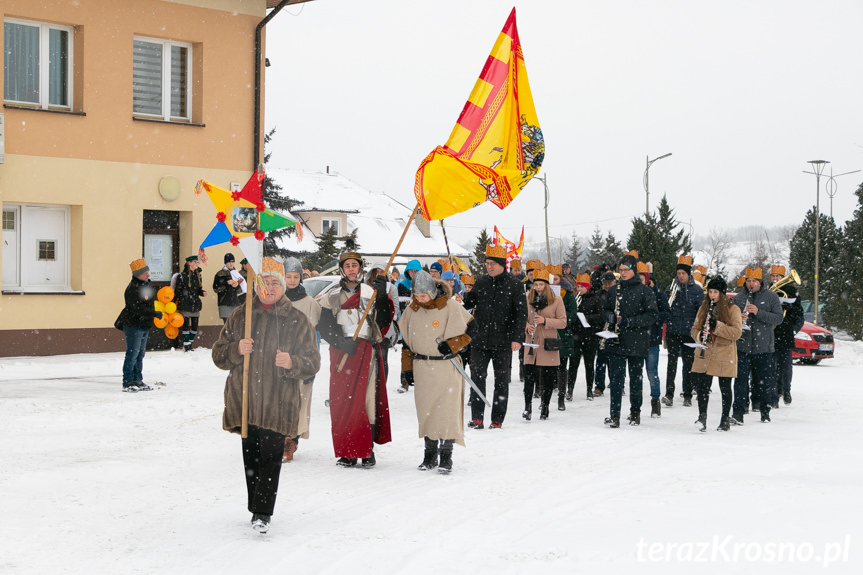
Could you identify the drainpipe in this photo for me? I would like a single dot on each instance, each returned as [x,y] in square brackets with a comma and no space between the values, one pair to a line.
[258,54]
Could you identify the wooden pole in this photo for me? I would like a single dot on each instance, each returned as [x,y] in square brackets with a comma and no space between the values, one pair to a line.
[372,301]
[250,294]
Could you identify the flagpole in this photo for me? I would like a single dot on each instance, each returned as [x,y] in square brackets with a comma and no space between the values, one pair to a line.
[250,295]
[372,300]
[448,254]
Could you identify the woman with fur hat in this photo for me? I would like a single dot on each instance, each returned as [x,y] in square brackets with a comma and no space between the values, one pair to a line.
[359,409]
[135,321]
[282,354]
[298,297]
[435,328]
[545,315]
[718,327]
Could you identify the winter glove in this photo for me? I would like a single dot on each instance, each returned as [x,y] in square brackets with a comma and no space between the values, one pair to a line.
[380,285]
[444,348]
[159,315]
[345,344]
[623,323]
[407,378]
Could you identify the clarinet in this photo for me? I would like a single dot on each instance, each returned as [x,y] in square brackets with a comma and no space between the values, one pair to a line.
[604,342]
[705,332]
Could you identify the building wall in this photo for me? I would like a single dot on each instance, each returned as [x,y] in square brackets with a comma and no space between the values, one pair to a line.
[107,166]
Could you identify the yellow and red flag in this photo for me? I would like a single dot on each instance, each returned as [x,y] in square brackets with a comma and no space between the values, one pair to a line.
[496,146]
[512,251]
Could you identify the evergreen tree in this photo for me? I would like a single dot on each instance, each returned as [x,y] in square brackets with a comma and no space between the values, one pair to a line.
[594,249]
[477,258]
[657,240]
[842,290]
[802,257]
[574,255]
[326,254]
[350,242]
[612,251]
[280,204]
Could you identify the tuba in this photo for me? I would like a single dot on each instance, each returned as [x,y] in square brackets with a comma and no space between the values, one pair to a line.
[777,287]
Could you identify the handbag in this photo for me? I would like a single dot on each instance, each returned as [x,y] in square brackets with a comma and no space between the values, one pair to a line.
[551,344]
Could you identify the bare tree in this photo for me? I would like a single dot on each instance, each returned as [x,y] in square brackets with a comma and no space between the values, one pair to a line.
[716,247]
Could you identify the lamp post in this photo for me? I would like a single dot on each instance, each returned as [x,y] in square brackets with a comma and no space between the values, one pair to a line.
[646,186]
[830,186]
[817,169]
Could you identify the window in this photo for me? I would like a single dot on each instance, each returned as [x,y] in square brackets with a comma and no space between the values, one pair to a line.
[161,79]
[37,64]
[327,223]
[36,247]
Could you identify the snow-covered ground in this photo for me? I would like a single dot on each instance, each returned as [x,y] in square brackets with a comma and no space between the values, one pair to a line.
[98,481]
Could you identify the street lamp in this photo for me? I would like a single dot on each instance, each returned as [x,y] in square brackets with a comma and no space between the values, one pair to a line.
[646,187]
[817,169]
[830,186]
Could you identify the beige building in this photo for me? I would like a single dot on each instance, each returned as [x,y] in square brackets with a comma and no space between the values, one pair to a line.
[112,111]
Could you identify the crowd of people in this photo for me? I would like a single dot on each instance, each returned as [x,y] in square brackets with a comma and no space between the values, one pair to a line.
[611,318]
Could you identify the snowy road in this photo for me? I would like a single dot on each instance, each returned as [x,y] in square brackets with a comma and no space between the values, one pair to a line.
[94,480]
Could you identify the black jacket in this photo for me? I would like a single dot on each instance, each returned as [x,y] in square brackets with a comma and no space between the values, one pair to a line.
[684,308]
[591,307]
[662,318]
[188,291]
[139,311]
[500,310]
[638,312]
[783,334]
[228,295]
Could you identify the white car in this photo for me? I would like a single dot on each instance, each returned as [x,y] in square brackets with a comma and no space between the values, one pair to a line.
[318,287]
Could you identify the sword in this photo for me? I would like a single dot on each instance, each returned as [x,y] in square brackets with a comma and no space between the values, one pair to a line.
[466,376]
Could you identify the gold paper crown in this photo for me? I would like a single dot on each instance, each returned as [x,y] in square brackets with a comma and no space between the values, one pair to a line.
[740,281]
[495,252]
[700,269]
[698,276]
[137,265]
[777,270]
[535,265]
[515,264]
[447,267]
[641,267]
[269,265]
[540,274]
[556,270]
[685,260]
[633,253]
[467,279]
[582,279]
[753,274]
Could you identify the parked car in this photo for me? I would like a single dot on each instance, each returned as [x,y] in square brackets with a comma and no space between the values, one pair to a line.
[812,344]
[319,286]
[809,311]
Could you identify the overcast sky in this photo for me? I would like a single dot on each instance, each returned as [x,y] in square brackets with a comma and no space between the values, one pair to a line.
[742,93]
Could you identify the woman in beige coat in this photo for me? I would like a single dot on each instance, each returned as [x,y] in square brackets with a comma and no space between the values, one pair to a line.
[311,309]
[545,315]
[718,326]
[435,328]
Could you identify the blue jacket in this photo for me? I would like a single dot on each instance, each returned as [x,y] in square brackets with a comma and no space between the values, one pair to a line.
[684,308]
[661,318]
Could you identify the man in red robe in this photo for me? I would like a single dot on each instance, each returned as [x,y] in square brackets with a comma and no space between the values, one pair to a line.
[358,397]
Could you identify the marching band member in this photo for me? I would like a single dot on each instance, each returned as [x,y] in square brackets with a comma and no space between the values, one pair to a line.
[684,298]
[784,333]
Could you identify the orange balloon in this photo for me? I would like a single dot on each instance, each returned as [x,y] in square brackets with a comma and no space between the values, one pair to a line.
[171,332]
[175,319]
[160,322]
[165,294]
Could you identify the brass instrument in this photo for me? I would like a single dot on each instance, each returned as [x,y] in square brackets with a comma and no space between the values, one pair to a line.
[777,287]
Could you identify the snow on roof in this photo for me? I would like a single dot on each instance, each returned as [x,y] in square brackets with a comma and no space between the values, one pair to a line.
[379,218]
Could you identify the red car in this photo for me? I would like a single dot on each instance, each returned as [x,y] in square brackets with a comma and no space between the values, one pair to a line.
[812,344]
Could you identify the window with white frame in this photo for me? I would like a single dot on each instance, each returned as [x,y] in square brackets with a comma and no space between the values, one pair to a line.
[162,79]
[37,64]
[327,223]
[35,247]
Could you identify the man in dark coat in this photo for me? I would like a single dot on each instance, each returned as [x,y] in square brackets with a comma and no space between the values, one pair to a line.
[500,310]
[684,299]
[227,288]
[630,310]
[604,282]
[783,334]
[589,305]
[762,312]
[135,321]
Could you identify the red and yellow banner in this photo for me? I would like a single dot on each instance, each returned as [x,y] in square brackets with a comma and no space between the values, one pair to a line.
[512,251]
[496,146]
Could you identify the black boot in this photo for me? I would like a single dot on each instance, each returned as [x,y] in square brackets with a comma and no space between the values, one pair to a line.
[668,400]
[543,410]
[765,417]
[612,422]
[702,422]
[737,420]
[655,408]
[724,424]
[429,460]
[634,417]
[590,393]
[786,398]
[528,409]
[571,386]
[561,406]
[346,462]
[369,461]
[687,401]
[445,461]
